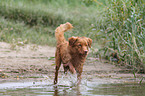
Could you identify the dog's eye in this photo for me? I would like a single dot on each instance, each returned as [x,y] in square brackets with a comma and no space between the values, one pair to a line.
[79,45]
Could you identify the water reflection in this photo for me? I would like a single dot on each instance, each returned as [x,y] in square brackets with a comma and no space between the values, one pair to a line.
[91,89]
[71,91]
[55,91]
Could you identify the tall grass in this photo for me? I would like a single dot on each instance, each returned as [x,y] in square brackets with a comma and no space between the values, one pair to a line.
[124,31]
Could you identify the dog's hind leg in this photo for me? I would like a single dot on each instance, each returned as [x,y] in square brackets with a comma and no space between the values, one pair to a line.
[58,63]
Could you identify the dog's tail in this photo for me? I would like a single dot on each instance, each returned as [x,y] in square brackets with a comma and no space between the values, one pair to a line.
[59,32]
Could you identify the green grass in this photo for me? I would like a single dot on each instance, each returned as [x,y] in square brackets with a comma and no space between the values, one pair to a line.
[17,31]
[43,16]
[117,25]
[51,14]
[124,33]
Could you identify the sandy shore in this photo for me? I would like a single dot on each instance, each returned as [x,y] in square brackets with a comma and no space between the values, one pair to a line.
[35,61]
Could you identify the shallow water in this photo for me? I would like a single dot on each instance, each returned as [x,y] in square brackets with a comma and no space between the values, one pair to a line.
[98,87]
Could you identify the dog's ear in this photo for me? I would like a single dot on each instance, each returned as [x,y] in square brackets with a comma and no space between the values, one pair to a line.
[72,40]
[89,42]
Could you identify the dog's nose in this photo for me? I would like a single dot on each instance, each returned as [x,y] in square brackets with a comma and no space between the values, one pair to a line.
[86,51]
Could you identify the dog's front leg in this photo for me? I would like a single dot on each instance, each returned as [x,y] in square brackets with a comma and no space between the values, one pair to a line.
[79,77]
[70,67]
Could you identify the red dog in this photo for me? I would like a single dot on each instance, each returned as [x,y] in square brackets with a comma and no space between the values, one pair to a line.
[72,54]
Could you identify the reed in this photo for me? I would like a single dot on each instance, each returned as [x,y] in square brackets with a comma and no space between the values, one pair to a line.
[124,31]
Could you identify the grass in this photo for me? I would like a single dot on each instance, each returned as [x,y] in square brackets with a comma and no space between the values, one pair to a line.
[12,31]
[124,33]
[50,14]
[117,25]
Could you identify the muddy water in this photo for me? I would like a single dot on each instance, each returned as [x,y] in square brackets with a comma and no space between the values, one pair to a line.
[67,87]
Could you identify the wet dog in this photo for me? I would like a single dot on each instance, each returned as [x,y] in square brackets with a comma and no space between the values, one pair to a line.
[72,53]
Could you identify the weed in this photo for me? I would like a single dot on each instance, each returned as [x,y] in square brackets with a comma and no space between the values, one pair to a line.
[124,32]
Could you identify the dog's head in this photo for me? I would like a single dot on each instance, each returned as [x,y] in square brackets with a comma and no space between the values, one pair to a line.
[80,45]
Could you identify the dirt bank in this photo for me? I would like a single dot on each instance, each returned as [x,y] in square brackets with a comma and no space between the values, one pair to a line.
[22,61]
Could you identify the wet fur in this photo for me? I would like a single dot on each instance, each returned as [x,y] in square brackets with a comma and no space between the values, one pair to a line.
[71,53]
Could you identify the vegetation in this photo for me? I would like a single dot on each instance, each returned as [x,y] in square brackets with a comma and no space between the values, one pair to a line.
[49,14]
[124,33]
[116,25]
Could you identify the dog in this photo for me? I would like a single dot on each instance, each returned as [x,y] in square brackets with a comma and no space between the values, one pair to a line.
[72,53]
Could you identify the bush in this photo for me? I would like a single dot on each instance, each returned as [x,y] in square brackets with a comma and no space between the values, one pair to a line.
[124,32]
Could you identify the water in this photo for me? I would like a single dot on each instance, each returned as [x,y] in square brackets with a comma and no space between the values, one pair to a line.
[98,87]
